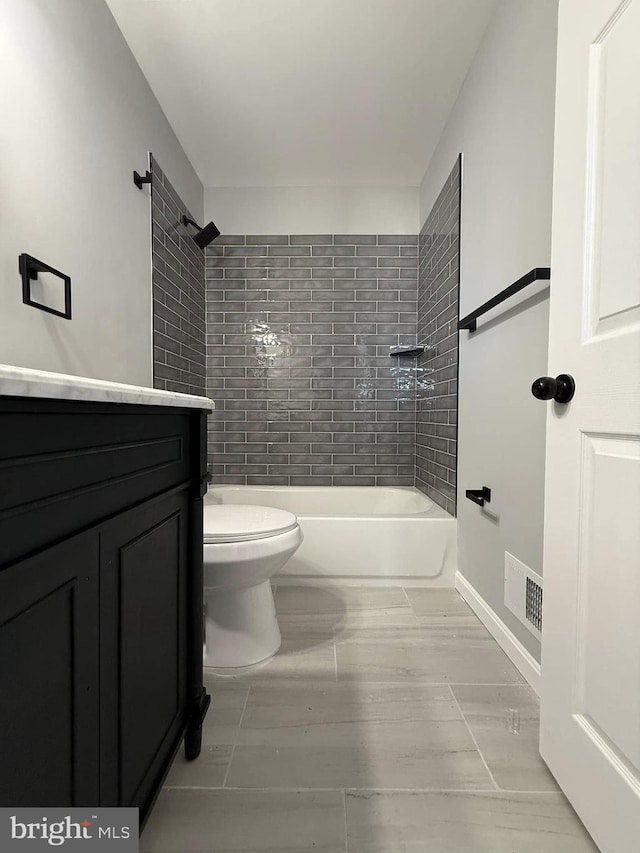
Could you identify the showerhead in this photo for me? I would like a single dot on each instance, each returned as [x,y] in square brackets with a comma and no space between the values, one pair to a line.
[205,235]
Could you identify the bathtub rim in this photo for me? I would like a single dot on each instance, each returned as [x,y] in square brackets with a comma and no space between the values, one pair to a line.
[433,513]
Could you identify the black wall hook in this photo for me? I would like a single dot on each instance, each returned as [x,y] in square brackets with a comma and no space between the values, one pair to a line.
[138,180]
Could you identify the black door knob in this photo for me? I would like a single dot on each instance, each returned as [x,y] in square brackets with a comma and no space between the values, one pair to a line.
[561,389]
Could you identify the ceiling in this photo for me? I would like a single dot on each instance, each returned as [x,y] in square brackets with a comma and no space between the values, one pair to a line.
[305,92]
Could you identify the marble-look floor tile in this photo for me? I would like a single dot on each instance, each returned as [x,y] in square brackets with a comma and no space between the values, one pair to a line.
[344,735]
[336,608]
[491,822]
[505,722]
[192,821]
[207,771]
[435,606]
[228,698]
[302,655]
[390,724]
[310,656]
[457,654]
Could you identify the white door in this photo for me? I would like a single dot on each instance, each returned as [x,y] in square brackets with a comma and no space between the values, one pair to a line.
[590,715]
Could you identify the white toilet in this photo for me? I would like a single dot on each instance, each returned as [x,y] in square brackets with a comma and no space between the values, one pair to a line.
[244,546]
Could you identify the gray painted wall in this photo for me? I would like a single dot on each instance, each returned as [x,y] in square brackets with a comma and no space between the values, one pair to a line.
[313,210]
[67,192]
[298,336]
[503,123]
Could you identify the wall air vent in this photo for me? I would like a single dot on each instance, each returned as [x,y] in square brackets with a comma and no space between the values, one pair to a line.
[523,593]
[533,604]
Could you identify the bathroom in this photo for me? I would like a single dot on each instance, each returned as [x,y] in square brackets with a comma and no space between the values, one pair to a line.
[350,349]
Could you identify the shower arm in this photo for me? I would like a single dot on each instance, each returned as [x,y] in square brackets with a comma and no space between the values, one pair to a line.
[187,221]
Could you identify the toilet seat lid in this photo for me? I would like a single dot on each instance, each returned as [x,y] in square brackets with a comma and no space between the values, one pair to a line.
[242,523]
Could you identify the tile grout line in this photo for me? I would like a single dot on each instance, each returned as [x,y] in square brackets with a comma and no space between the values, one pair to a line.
[233,746]
[246,702]
[346,831]
[226,774]
[295,790]
[406,595]
[482,758]
[264,682]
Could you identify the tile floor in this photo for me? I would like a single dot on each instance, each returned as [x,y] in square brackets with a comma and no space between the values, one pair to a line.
[389,722]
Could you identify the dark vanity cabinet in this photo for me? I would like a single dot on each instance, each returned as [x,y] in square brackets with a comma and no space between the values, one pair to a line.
[49,687]
[100,599]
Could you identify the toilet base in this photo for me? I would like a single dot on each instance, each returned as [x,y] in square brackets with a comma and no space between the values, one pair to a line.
[241,626]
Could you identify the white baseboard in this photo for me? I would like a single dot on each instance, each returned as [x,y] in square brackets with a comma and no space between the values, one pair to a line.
[360,580]
[504,637]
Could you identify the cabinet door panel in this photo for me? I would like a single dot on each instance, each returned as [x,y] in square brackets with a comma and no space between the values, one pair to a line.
[143,646]
[49,677]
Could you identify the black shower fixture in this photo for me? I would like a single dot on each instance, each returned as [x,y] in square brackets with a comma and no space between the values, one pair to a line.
[139,180]
[205,235]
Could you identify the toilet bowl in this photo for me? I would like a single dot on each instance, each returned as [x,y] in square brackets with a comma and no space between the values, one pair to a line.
[244,546]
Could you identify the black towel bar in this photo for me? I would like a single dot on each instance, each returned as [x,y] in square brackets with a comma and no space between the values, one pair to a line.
[536,274]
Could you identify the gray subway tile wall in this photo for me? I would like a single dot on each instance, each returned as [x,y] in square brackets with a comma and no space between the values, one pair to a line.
[179,358]
[298,335]
[437,369]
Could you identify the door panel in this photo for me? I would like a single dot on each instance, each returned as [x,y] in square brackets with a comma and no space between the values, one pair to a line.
[609,592]
[143,563]
[590,710]
[613,112]
[150,635]
[49,677]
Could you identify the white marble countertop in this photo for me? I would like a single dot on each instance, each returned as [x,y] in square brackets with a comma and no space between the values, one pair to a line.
[24,382]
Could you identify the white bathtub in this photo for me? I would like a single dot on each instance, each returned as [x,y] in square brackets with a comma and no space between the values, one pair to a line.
[360,533]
